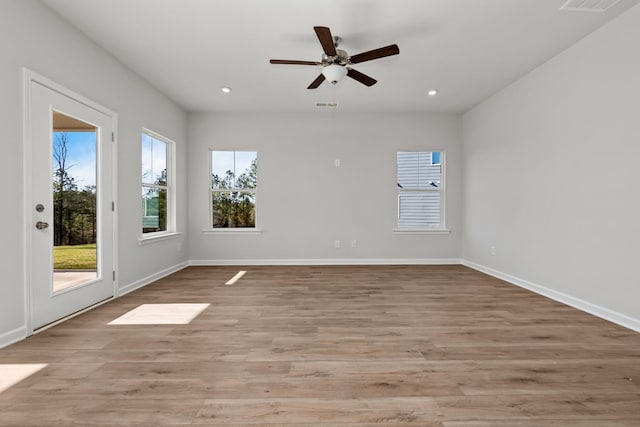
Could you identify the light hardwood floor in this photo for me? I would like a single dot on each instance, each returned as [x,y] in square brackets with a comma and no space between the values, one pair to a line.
[309,346]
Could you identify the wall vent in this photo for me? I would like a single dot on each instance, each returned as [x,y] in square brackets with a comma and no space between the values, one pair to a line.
[329,104]
[588,5]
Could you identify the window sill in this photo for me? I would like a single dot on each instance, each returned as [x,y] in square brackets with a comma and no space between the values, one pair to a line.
[421,230]
[233,231]
[157,238]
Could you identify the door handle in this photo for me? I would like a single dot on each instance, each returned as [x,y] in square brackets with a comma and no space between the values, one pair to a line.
[40,225]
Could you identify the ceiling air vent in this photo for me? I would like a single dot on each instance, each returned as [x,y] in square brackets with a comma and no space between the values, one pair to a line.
[588,5]
[330,104]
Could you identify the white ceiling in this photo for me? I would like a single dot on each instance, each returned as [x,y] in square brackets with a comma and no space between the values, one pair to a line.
[467,49]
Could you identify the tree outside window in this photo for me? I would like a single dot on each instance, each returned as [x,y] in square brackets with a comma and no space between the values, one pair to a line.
[233,189]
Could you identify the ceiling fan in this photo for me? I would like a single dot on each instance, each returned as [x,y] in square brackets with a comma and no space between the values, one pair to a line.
[336,63]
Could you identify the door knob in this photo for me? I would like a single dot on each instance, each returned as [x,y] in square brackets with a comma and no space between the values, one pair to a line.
[40,225]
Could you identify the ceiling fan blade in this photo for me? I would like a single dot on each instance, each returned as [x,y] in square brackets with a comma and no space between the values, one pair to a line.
[292,62]
[381,52]
[326,40]
[362,78]
[314,84]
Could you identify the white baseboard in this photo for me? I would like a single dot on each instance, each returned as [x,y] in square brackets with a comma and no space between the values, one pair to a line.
[328,261]
[150,279]
[586,306]
[13,336]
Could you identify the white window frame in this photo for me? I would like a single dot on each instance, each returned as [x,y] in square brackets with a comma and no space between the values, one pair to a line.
[235,230]
[171,231]
[441,229]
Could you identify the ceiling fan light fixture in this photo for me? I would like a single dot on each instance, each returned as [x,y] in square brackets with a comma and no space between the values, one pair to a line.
[432,92]
[226,89]
[334,72]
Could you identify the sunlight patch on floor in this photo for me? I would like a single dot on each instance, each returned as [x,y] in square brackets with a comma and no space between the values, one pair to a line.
[67,279]
[235,278]
[12,374]
[160,314]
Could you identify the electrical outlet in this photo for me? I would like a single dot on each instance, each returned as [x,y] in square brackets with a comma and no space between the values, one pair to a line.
[492,250]
[336,162]
[354,243]
[336,244]
[179,246]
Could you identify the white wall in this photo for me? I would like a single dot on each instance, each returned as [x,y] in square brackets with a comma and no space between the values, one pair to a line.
[34,37]
[552,175]
[305,202]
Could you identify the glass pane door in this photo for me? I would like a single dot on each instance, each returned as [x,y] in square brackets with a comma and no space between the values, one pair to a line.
[74,202]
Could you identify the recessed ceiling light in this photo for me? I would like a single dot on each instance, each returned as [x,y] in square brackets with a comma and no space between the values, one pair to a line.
[432,92]
[226,89]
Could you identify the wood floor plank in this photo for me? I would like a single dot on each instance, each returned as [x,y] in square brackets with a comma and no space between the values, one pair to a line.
[358,346]
[513,422]
[583,406]
[399,410]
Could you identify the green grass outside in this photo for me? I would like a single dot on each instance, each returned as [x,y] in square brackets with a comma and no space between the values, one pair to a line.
[77,257]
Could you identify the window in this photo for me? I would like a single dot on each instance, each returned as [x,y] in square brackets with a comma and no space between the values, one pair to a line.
[420,189]
[157,197]
[233,189]
[435,157]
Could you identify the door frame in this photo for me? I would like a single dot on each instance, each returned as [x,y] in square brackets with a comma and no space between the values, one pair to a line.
[28,78]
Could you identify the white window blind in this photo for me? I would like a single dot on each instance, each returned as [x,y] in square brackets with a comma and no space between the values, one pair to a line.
[419,185]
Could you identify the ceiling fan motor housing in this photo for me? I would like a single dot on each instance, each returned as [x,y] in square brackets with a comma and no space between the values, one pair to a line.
[341,58]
